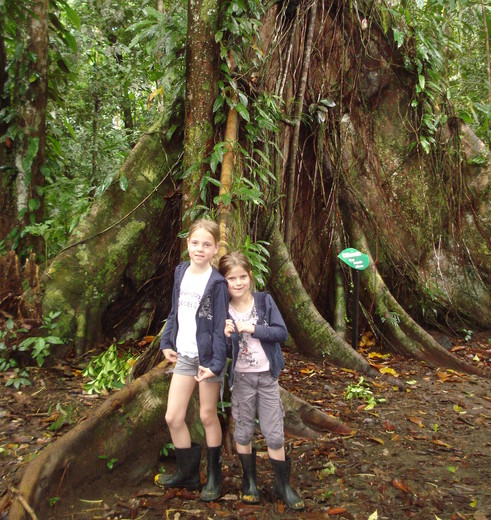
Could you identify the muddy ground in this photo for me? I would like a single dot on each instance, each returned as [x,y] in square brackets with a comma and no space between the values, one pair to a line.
[420,452]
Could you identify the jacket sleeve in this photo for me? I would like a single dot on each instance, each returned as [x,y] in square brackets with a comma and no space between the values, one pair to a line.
[171,323]
[275,331]
[220,309]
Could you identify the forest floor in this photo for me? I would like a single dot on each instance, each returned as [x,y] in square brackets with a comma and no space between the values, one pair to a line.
[421,452]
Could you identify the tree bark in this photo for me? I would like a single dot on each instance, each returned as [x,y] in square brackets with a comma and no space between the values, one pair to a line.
[114,252]
[202,66]
[8,214]
[298,109]
[30,157]
[228,164]
[400,331]
[311,332]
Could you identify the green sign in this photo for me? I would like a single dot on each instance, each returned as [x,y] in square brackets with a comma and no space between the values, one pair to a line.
[354,258]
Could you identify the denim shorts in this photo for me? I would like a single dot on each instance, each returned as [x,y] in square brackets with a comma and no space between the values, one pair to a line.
[188,366]
[257,393]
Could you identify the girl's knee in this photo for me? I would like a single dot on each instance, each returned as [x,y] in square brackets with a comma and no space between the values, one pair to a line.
[243,439]
[208,417]
[173,420]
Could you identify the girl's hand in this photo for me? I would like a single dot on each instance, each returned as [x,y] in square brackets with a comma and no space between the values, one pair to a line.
[229,328]
[244,327]
[170,355]
[203,373]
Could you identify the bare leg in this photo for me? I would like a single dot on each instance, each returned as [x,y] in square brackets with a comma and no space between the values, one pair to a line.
[180,391]
[208,398]
[244,449]
[278,454]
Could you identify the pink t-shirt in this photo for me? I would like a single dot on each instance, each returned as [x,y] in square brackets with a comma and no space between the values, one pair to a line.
[251,356]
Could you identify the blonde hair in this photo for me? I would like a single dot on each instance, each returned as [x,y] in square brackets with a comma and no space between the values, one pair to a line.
[234,259]
[208,225]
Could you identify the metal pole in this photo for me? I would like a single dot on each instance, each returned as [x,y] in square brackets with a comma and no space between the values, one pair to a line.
[356,301]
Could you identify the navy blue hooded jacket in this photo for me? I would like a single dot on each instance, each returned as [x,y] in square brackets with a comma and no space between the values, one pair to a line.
[210,320]
[270,330]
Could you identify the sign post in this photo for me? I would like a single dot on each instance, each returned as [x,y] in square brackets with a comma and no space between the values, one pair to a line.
[357,261]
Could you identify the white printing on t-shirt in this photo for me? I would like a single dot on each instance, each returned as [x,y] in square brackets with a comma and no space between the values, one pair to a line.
[191,291]
[251,357]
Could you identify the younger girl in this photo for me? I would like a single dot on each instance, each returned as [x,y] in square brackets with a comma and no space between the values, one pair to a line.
[193,338]
[256,328]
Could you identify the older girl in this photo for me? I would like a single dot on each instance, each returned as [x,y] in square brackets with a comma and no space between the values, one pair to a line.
[193,338]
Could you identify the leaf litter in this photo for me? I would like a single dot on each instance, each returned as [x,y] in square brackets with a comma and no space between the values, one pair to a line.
[422,451]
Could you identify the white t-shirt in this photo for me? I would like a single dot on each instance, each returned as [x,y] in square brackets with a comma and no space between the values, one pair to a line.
[251,357]
[190,294]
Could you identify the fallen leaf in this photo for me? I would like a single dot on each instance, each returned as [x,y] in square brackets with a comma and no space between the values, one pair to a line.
[389,370]
[388,426]
[306,371]
[379,385]
[146,340]
[458,409]
[372,355]
[399,485]
[443,376]
[441,443]
[336,510]
[376,439]
[416,420]
[457,348]
[373,516]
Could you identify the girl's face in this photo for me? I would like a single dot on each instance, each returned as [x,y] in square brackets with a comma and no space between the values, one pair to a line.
[239,282]
[202,247]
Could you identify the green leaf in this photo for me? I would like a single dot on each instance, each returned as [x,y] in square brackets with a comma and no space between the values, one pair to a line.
[425,144]
[242,110]
[421,81]
[123,182]
[398,37]
[170,132]
[73,16]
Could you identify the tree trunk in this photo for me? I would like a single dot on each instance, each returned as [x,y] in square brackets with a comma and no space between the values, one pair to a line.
[228,165]
[8,214]
[202,66]
[311,332]
[128,238]
[400,331]
[30,156]
[298,110]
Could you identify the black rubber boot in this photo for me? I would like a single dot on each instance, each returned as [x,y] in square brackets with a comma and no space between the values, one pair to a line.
[282,488]
[250,493]
[213,487]
[187,474]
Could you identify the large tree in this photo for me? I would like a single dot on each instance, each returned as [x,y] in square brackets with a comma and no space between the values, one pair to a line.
[332,112]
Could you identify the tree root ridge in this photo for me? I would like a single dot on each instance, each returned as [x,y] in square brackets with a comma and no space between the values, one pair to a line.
[407,336]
